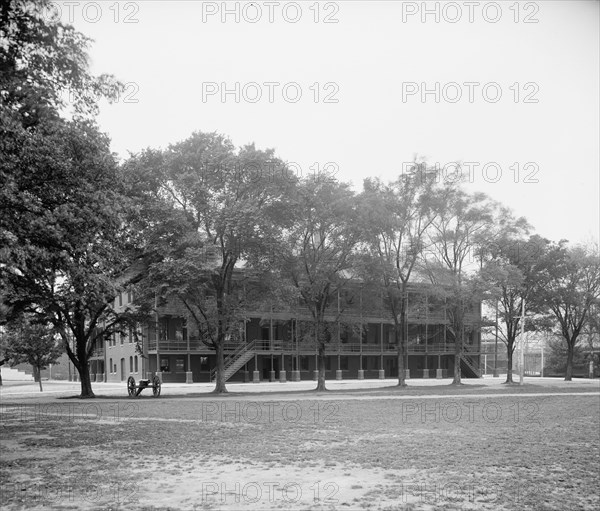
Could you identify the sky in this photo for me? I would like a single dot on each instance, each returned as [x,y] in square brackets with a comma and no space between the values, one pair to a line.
[361,88]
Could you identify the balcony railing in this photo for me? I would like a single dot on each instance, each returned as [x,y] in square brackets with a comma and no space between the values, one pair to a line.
[179,345]
[176,345]
[276,345]
[355,314]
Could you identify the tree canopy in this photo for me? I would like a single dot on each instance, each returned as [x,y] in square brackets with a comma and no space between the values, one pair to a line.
[228,208]
[64,231]
[315,253]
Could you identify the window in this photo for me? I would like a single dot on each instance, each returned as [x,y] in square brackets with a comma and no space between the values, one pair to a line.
[344,363]
[203,363]
[135,362]
[164,365]
[129,297]
[328,363]
[130,336]
[115,369]
[131,364]
[122,337]
[179,364]
[391,338]
[110,367]
[164,329]
[120,299]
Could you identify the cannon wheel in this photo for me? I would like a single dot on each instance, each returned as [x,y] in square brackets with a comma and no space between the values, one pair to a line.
[131,386]
[156,386]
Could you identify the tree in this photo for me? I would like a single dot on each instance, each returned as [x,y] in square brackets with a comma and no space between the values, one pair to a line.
[226,206]
[67,247]
[556,361]
[66,250]
[3,358]
[462,226]
[43,68]
[511,267]
[315,253]
[32,343]
[396,217]
[570,289]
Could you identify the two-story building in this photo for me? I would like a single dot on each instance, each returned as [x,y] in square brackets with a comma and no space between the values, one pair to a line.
[274,344]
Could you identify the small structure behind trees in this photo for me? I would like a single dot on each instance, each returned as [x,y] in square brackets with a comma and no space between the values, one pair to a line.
[34,343]
[568,288]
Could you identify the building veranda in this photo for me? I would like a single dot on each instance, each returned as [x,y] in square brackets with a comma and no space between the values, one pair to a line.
[276,344]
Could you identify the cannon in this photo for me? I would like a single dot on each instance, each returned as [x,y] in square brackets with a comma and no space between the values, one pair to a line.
[135,390]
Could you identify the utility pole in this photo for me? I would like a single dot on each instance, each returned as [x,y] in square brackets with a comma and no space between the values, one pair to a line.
[521,344]
[496,345]
[542,364]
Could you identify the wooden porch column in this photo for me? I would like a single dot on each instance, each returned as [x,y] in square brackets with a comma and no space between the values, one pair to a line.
[282,374]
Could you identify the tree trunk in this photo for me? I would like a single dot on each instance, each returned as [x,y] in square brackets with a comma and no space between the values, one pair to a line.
[401,339]
[456,380]
[400,344]
[36,373]
[2,362]
[82,365]
[321,361]
[220,374]
[509,361]
[86,382]
[39,374]
[457,356]
[459,323]
[569,373]
[322,338]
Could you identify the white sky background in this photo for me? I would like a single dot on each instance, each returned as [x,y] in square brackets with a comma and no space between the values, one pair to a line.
[369,54]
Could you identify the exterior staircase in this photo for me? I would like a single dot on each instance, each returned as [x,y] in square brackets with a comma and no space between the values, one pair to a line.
[469,368]
[235,361]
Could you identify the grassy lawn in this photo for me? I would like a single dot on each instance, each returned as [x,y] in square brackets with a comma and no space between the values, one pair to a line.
[348,450]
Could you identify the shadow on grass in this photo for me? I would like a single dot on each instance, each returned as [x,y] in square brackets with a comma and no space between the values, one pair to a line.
[393,390]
